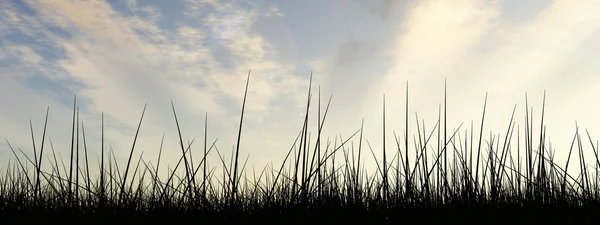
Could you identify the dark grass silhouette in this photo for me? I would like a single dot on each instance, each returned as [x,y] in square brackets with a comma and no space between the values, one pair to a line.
[451,179]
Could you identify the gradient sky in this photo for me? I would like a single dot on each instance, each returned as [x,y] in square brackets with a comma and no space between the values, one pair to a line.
[117,55]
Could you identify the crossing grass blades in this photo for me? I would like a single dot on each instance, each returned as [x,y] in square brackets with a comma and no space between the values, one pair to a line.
[438,177]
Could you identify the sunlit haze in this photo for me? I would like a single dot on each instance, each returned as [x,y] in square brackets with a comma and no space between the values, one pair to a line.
[118,55]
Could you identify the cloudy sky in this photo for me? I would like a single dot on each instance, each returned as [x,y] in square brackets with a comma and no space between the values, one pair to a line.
[118,55]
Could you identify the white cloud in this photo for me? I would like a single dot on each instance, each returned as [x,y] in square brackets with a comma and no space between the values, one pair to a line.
[120,68]
[477,51]
[121,62]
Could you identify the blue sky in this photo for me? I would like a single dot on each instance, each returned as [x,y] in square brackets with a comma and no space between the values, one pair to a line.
[118,55]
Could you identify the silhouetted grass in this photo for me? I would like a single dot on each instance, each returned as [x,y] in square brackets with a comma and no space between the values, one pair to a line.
[451,180]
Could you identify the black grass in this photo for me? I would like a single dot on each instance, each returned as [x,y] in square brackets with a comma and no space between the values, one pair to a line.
[443,178]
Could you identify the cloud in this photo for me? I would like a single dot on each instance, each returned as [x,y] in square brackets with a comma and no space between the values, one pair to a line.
[115,62]
[388,9]
[473,46]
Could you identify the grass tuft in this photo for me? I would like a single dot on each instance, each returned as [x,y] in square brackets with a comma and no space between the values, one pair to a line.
[451,179]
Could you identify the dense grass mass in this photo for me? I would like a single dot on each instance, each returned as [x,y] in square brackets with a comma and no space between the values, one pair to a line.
[449,179]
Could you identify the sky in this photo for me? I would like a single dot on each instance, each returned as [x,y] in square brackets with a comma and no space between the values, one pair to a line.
[118,55]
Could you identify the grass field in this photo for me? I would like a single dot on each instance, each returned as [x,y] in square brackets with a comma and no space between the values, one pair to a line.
[451,178]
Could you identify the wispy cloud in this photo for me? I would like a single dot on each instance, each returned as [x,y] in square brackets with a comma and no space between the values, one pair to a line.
[477,49]
[115,62]
[118,55]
